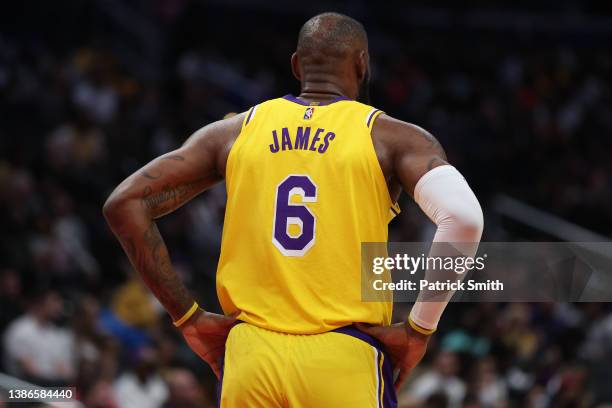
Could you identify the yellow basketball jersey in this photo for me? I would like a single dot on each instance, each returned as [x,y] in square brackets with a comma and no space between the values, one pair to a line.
[304,190]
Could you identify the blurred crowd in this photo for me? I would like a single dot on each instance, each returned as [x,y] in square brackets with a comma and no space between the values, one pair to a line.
[85,103]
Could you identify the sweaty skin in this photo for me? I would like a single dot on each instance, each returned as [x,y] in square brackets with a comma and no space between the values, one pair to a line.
[405,153]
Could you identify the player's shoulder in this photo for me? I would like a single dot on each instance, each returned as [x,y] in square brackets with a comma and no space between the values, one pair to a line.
[398,134]
[381,122]
[238,121]
[364,114]
[386,123]
[229,125]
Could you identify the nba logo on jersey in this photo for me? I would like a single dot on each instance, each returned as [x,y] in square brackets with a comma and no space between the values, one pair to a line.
[309,112]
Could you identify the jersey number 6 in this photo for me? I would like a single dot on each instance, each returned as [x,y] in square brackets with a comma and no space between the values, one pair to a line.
[287,213]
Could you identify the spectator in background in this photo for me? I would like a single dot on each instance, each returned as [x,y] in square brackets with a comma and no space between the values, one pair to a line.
[75,145]
[185,392]
[518,334]
[133,315]
[97,353]
[490,389]
[134,305]
[36,348]
[100,395]
[142,386]
[443,379]
[94,91]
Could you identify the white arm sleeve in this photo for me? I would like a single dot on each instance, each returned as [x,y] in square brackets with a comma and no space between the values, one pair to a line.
[444,195]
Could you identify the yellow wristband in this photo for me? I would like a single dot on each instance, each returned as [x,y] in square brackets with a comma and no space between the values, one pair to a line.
[420,329]
[187,315]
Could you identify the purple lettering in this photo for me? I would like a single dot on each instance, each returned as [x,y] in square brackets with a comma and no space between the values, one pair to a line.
[301,139]
[315,139]
[286,139]
[328,137]
[274,146]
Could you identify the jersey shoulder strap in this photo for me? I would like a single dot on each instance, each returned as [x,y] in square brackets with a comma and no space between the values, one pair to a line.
[256,112]
[371,116]
[249,116]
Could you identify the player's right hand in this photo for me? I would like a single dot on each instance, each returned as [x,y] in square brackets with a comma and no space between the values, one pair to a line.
[405,346]
[206,334]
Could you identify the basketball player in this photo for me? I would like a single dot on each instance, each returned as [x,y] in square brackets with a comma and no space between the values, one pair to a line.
[308,179]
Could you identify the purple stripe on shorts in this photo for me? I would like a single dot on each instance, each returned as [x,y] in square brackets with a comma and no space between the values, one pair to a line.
[378,374]
[355,332]
[292,98]
[389,397]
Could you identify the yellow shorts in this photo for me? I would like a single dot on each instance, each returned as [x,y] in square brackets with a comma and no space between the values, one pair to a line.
[341,368]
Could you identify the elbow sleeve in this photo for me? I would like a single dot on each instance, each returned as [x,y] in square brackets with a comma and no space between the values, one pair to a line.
[444,195]
[447,199]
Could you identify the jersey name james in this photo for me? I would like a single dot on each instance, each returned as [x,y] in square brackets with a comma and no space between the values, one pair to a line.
[300,139]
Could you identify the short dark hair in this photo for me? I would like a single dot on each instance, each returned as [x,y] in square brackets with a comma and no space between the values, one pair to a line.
[330,34]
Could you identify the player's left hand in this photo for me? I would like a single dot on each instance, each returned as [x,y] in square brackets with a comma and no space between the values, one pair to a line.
[206,334]
[405,346]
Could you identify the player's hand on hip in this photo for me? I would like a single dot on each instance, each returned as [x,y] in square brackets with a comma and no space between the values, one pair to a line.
[405,346]
[206,334]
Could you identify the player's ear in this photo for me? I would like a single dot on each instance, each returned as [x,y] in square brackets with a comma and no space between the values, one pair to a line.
[295,66]
[362,65]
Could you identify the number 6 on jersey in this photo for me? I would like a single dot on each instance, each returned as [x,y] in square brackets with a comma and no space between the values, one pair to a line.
[287,213]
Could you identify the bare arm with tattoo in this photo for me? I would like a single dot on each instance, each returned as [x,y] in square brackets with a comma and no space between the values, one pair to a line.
[160,187]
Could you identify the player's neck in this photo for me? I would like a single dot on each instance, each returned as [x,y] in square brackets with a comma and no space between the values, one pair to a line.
[322,92]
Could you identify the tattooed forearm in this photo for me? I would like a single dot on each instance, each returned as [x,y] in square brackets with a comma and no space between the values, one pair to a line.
[169,198]
[160,202]
[158,188]
[128,244]
[146,249]
[149,256]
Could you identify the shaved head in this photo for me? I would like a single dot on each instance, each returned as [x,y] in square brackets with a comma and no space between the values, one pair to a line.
[332,52]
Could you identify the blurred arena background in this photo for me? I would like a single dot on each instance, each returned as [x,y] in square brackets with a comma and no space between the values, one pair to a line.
[519,94]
